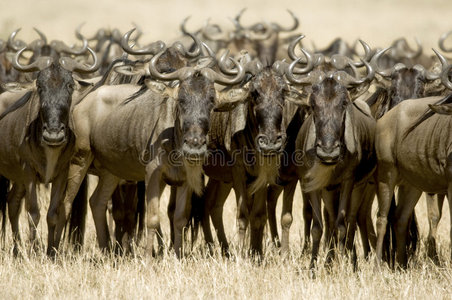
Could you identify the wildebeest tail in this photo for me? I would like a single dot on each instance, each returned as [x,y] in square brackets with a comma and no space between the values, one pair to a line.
[78,216]
[389,242]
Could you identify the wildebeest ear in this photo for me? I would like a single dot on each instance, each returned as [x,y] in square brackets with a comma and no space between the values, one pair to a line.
[228,99]
[33,107]
[349,132]
[356,91]
[161,88]
[442,109]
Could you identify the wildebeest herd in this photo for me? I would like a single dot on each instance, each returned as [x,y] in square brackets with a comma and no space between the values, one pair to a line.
[249,109]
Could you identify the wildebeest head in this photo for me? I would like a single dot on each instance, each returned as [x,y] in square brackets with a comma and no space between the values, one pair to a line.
[330,103]
[54,86]
[403,82]
[267,102]
[196,97]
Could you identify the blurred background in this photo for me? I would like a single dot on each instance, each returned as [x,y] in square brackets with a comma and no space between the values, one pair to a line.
[378,22]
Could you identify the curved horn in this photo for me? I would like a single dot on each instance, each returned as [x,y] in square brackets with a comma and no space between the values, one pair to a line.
[446,67]
[220,78]
[367,54]
[374,62]
[441,42]
[295,25]
[219,37]
[292,45]
[348,80]
[169,76]
[182,26]
[196,52]
[309,79]
[74,66]
[416,53]
[42,36]
[13,44]
[236,20]
[60,46]
[151,49]
[39,64]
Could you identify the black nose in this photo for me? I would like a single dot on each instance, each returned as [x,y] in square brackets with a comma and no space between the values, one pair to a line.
[267,145]
[195,142]
[328,152]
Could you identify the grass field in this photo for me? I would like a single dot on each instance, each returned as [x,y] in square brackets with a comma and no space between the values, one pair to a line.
[93,275]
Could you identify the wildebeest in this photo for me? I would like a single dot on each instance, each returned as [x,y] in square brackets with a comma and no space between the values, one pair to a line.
[400,82]
[337,142]
[288,175]
[250,139]
[410,125]
[37,139]
[157,135]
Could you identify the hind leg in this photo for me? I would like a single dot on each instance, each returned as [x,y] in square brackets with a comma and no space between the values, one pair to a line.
[222,193]
[408,197]
[317,226]
[434,209]
[307,219]
[14,203]
[258,219]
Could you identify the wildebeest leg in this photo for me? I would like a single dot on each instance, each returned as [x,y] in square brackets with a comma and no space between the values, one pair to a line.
[181,216]
[154,190]
[216,213]
[242,198]
[77,171]
[14,204]
[32,208]
[273,192]
[209,200]
[307,219]
[170,211]
[352,212]
[408,196]
[258,219]
[344,205]
[98,203]
[368,237]
[56,194]
[387,177]
[434,209]
[317,225]
[115,215]
[329,199]
[286,214]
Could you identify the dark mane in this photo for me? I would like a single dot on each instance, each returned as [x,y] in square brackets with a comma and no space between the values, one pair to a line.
[427,114]
[18,104]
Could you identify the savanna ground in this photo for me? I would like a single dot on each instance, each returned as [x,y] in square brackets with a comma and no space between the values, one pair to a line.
[93,275]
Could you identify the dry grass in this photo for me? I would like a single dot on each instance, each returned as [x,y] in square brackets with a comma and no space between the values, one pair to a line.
[93,275]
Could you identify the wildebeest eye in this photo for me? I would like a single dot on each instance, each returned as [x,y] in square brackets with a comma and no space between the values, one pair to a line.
[70,86]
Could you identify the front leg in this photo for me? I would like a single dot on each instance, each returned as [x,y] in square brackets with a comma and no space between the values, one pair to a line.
[286,215]
[154,189]
[56,198]
[181,215]
[32,207]
[77,171]
[344,204]
[386,181]
[242,198]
